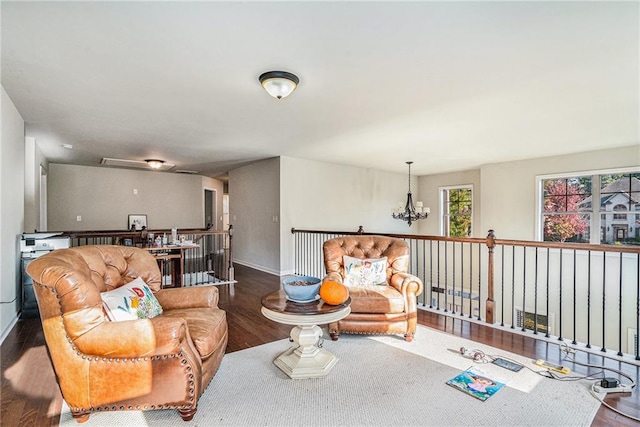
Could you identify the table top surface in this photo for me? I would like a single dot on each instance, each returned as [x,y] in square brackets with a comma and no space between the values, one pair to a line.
[277,301]
[169,247]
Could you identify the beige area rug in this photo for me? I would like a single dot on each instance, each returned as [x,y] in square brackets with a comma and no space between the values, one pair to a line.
[378,381]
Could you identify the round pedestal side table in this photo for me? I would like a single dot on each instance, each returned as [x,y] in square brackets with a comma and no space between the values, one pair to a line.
[307,360]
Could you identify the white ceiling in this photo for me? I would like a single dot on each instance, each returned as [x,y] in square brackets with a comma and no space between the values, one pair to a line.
[450,85]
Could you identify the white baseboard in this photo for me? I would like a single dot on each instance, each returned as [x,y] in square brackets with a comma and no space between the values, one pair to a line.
[256,267]
[5,333]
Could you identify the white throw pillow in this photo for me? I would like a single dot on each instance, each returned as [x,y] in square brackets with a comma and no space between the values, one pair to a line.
[364,272]
[130,302]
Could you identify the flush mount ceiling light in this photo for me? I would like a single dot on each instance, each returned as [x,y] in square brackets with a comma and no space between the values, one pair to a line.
[279,84]
[135,164]
[155,163]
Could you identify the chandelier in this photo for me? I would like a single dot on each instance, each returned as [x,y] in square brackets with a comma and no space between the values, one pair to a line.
[409,212]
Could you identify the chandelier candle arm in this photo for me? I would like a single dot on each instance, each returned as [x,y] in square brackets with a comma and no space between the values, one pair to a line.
[409,212]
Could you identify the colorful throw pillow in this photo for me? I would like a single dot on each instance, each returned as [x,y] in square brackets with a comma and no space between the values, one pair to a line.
[365,272]
[130,302]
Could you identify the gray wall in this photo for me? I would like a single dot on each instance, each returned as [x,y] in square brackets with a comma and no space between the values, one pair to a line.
[324,196]
[12,162]
[327,196]
[505,194]
[509,194]
[254,201]
[429,193]
[104,197]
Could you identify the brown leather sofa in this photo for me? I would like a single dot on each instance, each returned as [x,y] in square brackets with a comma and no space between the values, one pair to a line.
[165,362]
[375,309]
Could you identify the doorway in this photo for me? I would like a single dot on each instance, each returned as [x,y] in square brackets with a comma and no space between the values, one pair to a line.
[43,199]
[210,209]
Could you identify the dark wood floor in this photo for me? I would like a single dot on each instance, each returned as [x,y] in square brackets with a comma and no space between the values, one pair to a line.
[30,395]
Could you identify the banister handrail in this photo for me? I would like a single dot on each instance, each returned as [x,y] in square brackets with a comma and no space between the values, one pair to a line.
[129,233]
[556,288]
[209,261]
[570,245]
[398,235]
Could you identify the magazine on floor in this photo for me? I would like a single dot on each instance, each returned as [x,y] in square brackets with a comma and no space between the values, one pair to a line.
[477,383]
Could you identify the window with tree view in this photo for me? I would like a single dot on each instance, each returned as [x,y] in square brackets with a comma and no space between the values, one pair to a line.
[566,210]
[569,213]
[457,211]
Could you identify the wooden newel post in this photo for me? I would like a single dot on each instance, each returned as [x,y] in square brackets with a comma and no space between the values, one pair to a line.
[491,243]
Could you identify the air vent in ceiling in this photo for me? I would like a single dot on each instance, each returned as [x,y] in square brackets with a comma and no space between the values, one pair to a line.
[188,172]
[136,164]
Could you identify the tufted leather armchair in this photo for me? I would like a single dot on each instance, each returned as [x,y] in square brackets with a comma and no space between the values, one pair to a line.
[161,363]
[378,309]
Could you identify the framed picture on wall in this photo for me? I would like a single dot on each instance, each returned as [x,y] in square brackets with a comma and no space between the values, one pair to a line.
[137,222]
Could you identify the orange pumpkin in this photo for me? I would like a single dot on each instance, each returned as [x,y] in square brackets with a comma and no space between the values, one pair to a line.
[333,293]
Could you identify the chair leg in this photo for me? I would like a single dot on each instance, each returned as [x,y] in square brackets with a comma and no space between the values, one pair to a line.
[187,414]
[80,417]
[334,331]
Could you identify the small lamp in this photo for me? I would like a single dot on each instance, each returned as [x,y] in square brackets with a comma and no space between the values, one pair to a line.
[279,84]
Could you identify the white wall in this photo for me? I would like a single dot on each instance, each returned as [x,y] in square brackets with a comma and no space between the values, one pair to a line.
[104,197]
[12,152]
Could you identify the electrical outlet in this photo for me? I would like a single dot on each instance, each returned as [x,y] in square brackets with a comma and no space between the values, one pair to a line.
[135,191]
[79,218]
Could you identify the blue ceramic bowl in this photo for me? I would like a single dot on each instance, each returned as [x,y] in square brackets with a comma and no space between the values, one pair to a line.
[301,288]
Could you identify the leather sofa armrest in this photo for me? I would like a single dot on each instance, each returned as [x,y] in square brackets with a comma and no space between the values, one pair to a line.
[406,283]
[135,338]
[335,277]
[191,297]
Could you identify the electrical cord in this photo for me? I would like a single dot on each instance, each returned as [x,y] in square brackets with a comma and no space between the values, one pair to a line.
[569,356]
[602,402]
[479,356]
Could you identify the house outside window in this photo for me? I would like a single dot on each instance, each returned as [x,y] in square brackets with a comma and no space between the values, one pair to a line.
[568,213]
[457,211]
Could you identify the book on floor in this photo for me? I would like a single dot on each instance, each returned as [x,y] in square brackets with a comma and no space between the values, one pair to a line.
[477,383]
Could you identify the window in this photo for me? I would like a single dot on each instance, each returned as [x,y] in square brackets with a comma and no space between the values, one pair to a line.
[566,209]
[457,211]
[573,206]
[618,208]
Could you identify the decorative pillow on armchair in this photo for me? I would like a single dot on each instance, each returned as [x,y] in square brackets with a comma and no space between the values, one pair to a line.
[364,272]
[130,302]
